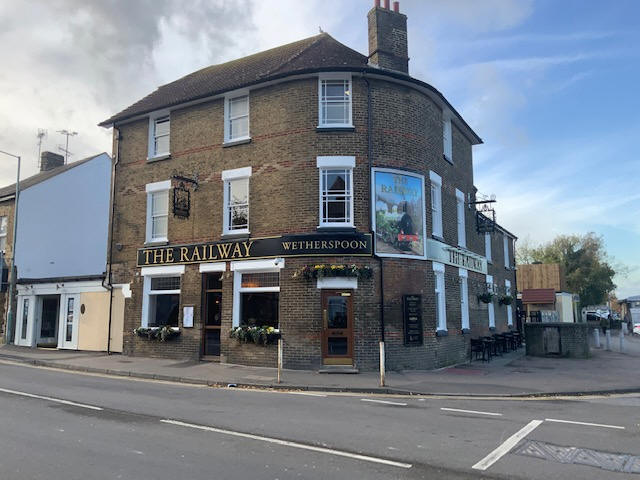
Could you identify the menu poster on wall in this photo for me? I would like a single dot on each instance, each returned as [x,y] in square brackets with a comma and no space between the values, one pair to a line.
[412,308]
[187,316]
[399,219]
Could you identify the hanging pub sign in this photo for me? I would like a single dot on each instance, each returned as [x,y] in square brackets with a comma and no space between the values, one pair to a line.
[181,201]
[399,219]
[485,221]
[412,308]
[300,245]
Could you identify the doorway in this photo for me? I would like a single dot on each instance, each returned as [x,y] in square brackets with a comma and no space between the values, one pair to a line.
[49,313]
[212,315]
[69,323]
[337,327]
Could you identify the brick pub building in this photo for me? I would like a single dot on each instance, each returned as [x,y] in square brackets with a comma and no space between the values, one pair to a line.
[313,189]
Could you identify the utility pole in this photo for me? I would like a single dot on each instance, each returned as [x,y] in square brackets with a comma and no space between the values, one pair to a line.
[68,134]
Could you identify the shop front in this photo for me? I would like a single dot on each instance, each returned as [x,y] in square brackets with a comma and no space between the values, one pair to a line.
[219,297]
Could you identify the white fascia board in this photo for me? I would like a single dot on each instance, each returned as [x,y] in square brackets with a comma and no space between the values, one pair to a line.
[213,267]
[236,173]
[336,162]
[162,271]
[253,265]
[158,186]
[338,283]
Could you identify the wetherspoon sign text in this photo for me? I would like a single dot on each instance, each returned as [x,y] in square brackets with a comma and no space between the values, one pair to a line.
[301,245]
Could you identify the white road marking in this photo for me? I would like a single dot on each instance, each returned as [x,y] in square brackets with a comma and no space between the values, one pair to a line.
[508,444]
[470,411]
[387,402]
[583,423]
[287,443]
[50,399]
[306,394]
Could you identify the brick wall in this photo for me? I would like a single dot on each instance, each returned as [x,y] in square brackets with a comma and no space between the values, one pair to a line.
[574,339]
[284,199]
[6,209]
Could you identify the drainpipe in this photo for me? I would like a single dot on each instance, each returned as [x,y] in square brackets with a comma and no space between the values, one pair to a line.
[371,187]
[110,264]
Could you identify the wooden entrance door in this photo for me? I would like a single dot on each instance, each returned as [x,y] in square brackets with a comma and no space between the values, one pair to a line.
[212,314]
[337,327]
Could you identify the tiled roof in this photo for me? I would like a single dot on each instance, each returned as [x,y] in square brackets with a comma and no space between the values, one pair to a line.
[314,54]
[10,190]
[539,295]
[318,52]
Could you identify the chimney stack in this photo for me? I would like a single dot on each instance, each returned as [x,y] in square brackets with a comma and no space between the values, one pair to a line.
[50,160]
[388,46]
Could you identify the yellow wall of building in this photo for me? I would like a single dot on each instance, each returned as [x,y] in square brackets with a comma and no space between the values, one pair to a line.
[93,324]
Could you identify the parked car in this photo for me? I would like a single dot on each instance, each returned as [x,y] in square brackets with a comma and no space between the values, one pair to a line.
[636,328]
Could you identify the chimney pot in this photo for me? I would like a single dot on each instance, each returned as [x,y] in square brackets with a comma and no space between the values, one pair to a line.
[50,160]
[388,46]
[376,3]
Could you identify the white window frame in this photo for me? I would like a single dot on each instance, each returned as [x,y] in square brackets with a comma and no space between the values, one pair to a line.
[436,204]
[152,155]
[227,116]
[3,236]
[487,247]
[439,284]
[150,272]
[505,245]
[462,233]
[227,177]
[252,266]
[335,163]
[447,138]
[339,77]
[490,309]
[464,298]
[150,189]
[507,289]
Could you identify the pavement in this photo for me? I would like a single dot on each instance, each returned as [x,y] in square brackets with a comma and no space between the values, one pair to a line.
[513,374]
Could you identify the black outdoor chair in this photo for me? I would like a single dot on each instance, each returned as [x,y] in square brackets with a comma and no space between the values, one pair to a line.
[501,343]
[480,348]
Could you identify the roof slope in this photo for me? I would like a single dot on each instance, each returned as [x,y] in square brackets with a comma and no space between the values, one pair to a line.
[539,295]
[10,190]
[318,52]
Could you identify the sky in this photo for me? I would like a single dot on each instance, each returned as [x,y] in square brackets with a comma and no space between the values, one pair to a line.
[551,87]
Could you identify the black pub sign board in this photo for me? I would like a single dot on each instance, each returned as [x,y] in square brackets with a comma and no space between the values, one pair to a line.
[412,306]
[299,245]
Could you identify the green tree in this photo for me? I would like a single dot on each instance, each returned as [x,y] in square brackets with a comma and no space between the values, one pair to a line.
[587,266]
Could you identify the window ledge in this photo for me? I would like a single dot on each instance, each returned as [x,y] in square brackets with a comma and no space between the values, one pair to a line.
[235,236]
[450,160]
[157,243]
[335,128]
[492,329]
[489,261]
[466,331]
[239,141]
[441,333]
[438,237]
[341,228]
[158,158]
[175,329]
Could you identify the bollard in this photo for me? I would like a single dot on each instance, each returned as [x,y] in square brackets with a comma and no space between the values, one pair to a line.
[621,341]
[624,328]
[382,367]
[608,340]
[279,359]
[596,335]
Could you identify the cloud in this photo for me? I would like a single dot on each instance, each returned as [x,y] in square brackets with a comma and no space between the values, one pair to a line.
[79,62]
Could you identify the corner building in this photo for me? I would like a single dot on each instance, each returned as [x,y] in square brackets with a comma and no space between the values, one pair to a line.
[310,188]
